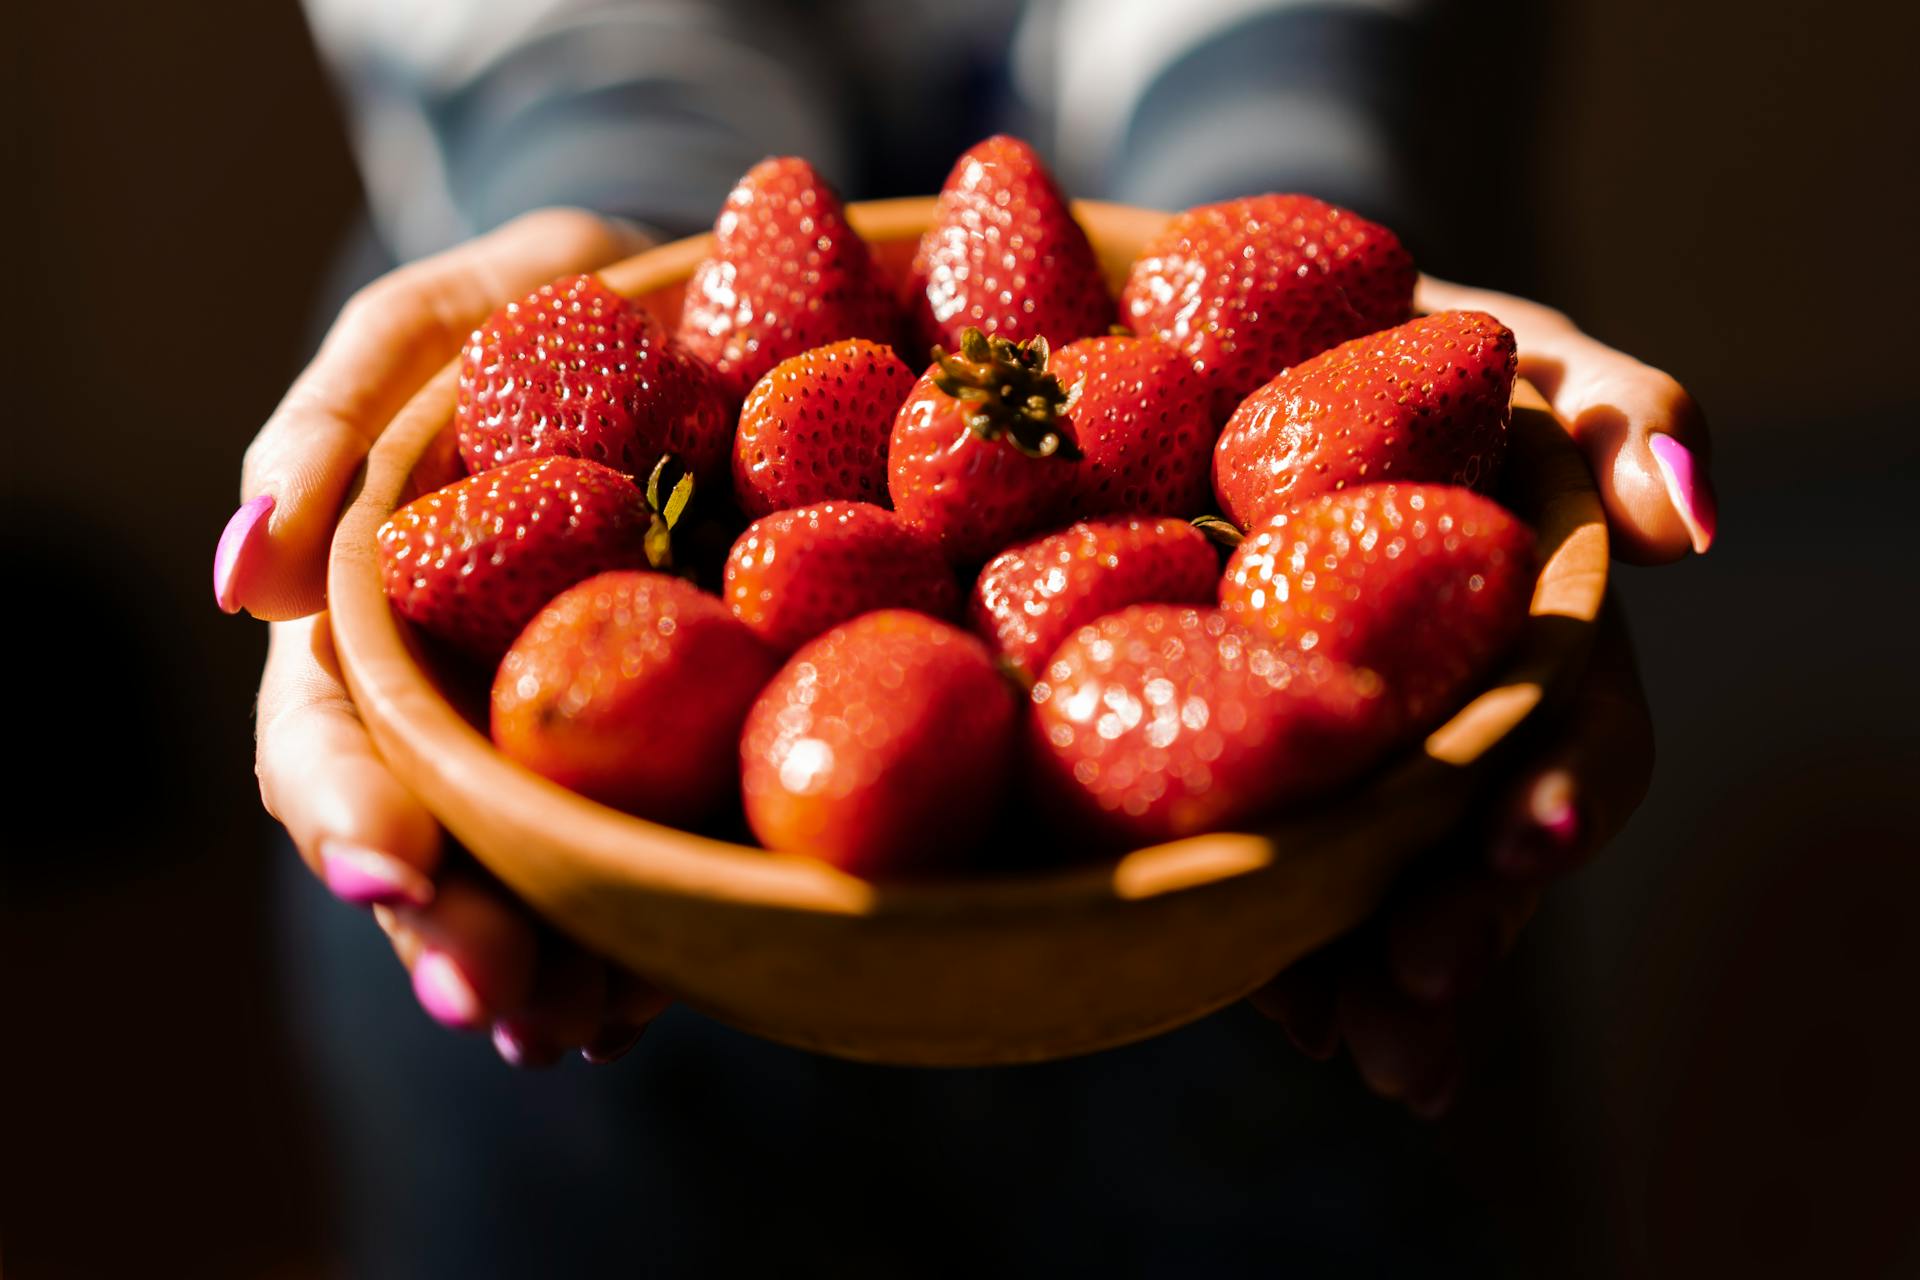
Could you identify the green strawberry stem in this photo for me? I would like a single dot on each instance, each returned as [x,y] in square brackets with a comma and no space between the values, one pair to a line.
[1008,392]
[669,477]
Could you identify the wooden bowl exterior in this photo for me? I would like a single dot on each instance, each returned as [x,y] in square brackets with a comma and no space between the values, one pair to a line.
[964,972]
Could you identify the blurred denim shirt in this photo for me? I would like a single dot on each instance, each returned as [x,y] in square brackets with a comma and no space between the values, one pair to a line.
[465,114]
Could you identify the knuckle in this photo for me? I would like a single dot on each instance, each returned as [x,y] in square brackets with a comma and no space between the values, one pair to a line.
[443,309]
[278,735]
[574,233]
[1682,408]
[388,300]
[265,772]
[263,779]
[416,303]
[366,302]
[253,462]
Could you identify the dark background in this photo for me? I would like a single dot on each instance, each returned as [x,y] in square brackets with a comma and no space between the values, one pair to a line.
[1720,1011]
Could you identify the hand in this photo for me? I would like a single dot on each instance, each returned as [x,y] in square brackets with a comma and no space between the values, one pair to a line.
[478,959]
[1642,434]
[1391,992]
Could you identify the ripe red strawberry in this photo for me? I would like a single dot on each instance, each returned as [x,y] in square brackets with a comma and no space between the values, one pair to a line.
[630,688]
[1140,415]
[1161,721]
[1426,584]
[576,370]
[473,562]
[1004,255]
[978,455]
[816,427]
[787,274]
[1247,287]
[882,747]
[794,574]
[1030,598]
[1427,401]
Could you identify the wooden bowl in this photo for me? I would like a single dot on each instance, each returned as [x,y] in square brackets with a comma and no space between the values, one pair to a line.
[1009,969]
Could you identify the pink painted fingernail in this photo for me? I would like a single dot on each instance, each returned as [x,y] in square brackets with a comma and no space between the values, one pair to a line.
[367,877]
[612,1043]
[235,540]
[519,1047]
[1550,803]
[445,993]
[1688,486]
[1547,832]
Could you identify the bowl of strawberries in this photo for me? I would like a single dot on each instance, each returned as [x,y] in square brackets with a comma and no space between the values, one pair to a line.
[973,629]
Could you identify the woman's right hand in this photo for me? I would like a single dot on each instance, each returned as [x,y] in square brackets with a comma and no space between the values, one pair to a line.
[478,958]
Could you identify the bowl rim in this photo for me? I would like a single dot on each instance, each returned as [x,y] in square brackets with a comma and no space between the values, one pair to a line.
[458,774]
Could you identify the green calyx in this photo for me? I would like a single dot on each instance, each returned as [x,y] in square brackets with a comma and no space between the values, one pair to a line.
[1007,391]
[669,490]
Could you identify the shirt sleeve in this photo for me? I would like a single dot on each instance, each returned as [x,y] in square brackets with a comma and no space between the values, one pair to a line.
[464,115]
[1171,105]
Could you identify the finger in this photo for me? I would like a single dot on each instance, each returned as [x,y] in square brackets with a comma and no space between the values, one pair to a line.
[1402,1049]
[563,1011]
[472,953]
[388,340]
[1644,437]
[362,832]
[1442,944]
[1301,999]
[632,1005]
[1566,807]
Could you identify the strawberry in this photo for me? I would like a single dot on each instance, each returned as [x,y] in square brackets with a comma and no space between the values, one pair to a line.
[630,688]
[786,275]
[1140,415]
[575,369]
[882,747]
[978,457]
[796,573]
[1426,584]
[816,427]
[1004,255]
[1427,401]
[1031,597]
[1160,721]
[1247,287]
[473,562]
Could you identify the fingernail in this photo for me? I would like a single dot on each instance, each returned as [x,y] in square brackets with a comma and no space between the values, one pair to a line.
[367,877]
[1688,486]
[445,993]
[519,1047]
[235,540]
[612,1043]
[1547,832]
[1440,965]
